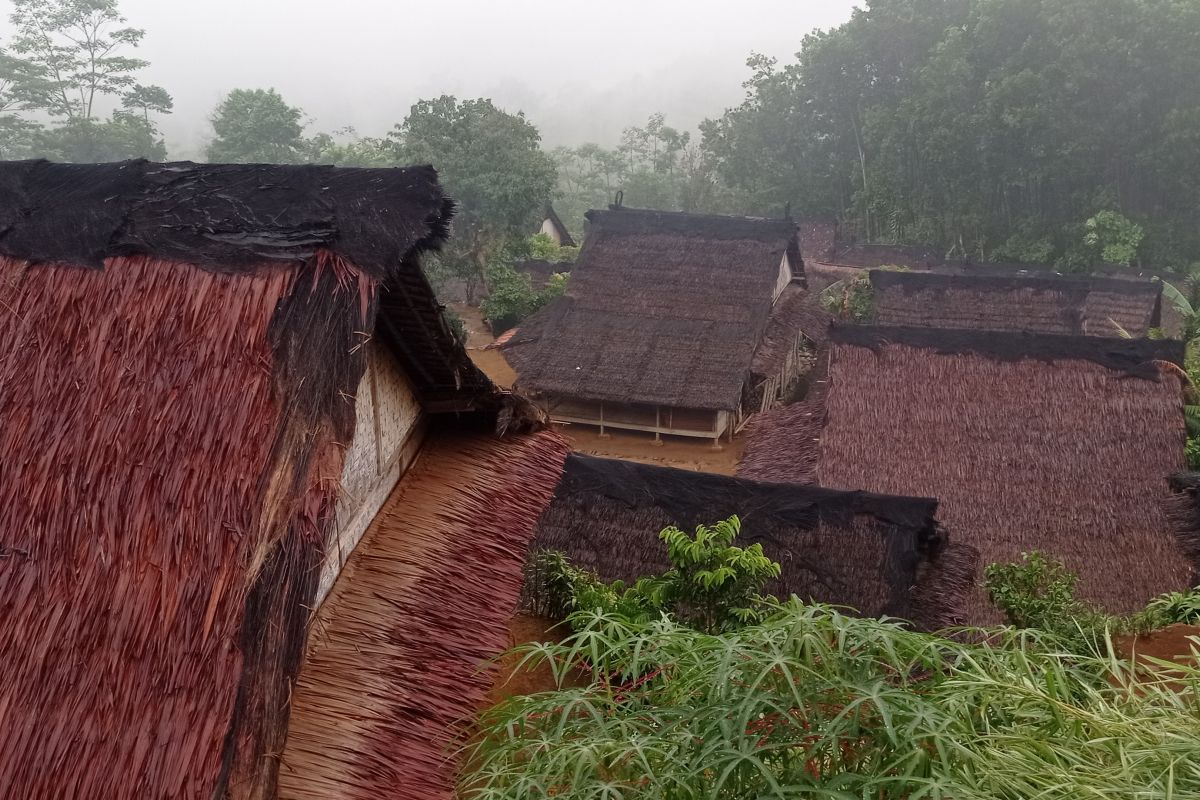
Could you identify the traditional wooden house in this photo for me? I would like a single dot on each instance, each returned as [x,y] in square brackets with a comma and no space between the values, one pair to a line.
[261,527]
[1037,303]
[552,225]
[1060,444]
[662,323]
[875,554]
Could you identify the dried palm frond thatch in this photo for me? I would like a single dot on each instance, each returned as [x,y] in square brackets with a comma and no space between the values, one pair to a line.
[398,661]
[859,550]
[1051,443]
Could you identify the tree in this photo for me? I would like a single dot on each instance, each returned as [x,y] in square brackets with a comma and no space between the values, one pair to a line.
[1112,238]
[345,148]
[256,126]
[988,127]
[63,60]
[72,54]
[490,162]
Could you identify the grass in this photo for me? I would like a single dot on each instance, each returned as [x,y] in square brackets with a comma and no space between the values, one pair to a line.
[813,703]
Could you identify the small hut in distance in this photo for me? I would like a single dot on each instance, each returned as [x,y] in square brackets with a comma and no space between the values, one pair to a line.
[673,323]
[552,225]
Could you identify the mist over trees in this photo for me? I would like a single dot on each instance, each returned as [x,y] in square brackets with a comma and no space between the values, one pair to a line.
[995,129]
[1064,131]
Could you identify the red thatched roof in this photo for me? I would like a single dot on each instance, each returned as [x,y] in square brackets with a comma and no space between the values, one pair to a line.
[662,307]
[181,348]
[875,554]
[400,654]
[1031,303]
[1053,443]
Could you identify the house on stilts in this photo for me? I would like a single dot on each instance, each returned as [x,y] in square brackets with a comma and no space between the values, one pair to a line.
[672,323]
[264,521]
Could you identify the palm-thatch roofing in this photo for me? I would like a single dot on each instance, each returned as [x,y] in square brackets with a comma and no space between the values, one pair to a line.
[564,235]
[182,346]
[662,308]
[873,553]
[1031,303]
[1030,442]
[541,271]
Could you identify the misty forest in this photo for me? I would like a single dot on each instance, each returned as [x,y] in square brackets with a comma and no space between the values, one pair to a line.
[994,130]
[841,441]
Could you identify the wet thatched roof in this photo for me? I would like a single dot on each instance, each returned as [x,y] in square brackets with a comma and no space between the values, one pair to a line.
[662,307]
[540,271]
[1026,303]
[1053,443]
[877,554]
[564,235]
[182,348]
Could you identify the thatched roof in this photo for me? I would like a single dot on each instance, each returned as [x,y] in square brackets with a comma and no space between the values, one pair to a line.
[401,652]
[1053,443]
[182,346]
[541,271]
[663,308]
[1029,303]
[564,235]
[797,309]
[877,554]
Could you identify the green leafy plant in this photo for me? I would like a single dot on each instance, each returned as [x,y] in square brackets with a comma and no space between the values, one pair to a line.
[1039,592]
[712,585]
[543,248]
[1174,608]
[1113,238]
[812,703]
[850,299]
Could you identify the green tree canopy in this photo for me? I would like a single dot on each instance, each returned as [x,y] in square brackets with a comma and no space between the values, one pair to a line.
[64,60]
[256,126]
[991,127]
[490,162]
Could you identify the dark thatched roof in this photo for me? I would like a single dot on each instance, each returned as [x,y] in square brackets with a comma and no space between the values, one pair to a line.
[540,271]
[1052,443]
[662,307]
[182,349]
[1030,303]
[797,309]
[818,239]
[564,235]
[877,554]
[239,218]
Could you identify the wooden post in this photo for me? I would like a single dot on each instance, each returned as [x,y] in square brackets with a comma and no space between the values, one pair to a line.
[603,435]
[658,442]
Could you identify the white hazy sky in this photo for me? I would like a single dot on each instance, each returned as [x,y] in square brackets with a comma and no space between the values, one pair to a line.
[580,70]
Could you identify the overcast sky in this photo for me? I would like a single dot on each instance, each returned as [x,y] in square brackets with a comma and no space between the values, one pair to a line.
[580,70]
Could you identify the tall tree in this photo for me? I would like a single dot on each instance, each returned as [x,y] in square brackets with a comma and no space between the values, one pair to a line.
[994,128]
[490,162]
[74,48]
[256,125]
[64,59]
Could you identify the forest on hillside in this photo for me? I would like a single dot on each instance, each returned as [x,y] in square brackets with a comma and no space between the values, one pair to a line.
[1042,131]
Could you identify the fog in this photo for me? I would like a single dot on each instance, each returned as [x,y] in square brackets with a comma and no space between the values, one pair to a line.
[581,71]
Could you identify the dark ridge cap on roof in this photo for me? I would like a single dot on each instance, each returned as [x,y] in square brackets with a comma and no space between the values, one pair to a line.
[638,221]
[680,492]
[1082,284]
[1184,481]
[219,216]
[1135,357]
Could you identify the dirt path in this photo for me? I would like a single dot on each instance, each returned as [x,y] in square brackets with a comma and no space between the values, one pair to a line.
[676,451]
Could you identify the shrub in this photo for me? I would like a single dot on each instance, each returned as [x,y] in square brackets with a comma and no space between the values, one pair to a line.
[712,585]
[1174,608]
[1039,593]
[850,299]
